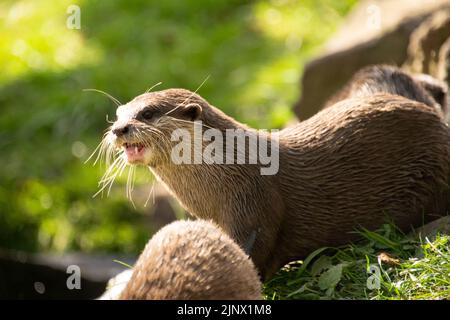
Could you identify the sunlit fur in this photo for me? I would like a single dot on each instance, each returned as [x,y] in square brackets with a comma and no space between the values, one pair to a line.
[193,260]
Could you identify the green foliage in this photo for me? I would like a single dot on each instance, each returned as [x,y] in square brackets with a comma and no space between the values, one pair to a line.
[252,50]
[417,270]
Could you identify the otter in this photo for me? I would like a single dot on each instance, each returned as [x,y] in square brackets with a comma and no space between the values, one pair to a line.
[390,79]
[193,260]
[358,163]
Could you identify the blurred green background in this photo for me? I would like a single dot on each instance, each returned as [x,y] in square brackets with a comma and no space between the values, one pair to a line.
[253,51]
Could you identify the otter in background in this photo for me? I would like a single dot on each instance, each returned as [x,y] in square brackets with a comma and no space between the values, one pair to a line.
[389,79]
[193,260]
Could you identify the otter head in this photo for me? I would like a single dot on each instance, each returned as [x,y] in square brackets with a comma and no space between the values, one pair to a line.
[144,125]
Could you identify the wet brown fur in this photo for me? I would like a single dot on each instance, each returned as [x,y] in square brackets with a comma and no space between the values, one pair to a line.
[193,260]
[355,164]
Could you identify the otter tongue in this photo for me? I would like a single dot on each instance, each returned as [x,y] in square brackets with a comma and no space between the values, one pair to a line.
[133,150]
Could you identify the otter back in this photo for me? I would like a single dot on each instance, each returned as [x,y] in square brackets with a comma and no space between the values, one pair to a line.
[392,80]
[193,260]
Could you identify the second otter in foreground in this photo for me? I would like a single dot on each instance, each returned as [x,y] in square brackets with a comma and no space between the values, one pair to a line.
[353,164]
[193,260]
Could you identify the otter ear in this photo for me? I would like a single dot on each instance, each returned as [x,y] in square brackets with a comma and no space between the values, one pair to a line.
[192,111]
[436,88]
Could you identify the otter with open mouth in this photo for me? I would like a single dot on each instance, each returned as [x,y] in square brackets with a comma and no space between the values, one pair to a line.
[354,164]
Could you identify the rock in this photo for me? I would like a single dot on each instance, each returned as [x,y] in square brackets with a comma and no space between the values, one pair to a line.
[443,72]
[429,51]
[426,42]
[375,32]
[441,225]
[44,276]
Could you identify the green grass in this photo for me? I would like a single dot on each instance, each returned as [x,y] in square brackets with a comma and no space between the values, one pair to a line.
[417,268]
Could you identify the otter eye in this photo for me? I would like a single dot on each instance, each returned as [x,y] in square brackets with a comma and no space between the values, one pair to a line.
[148,114]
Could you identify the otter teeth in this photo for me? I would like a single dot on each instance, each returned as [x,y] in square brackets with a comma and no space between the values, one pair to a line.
[136,147]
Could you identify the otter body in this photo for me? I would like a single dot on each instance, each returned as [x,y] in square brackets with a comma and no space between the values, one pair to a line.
[392,80]
[192,260]
[354,164]
[360,163]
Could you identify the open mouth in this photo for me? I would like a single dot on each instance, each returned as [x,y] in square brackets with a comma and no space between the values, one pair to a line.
[134,151]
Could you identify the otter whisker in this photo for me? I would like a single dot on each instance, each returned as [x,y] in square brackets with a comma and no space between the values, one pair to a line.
[155,85]
[111,177]
[190,96]
[163,141]
[99,146]
[148,136]
[204,125]
[107,120]
[150,193]
[101,150]
[116,101]
[128,180]
[119,173]
[111,168]
[120,168]
[145,138]
[133,178]
[139,135]
[153,129]
[105,151]
[129,187]
[109,152]
[108,182]
[196,90]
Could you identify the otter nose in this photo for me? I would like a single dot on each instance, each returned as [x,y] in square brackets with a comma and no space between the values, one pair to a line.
[120,131]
